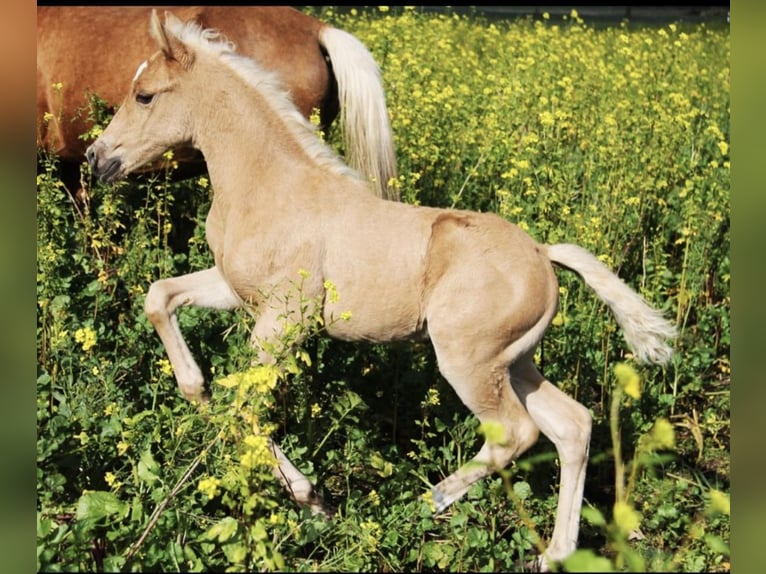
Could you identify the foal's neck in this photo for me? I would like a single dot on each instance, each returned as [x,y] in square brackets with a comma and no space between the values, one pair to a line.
[244,141]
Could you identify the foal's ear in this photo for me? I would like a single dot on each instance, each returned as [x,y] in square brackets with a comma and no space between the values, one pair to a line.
[167,41]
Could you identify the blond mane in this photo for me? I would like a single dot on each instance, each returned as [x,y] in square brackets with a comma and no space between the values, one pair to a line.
[216,44]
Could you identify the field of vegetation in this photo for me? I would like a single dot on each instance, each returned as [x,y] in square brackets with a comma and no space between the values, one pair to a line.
[615,138]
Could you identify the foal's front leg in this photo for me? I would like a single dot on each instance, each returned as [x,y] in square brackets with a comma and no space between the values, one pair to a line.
[202,289]
[267,338]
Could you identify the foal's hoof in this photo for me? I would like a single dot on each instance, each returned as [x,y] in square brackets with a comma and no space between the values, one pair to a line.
[537,564]
[201,398]
[319,507]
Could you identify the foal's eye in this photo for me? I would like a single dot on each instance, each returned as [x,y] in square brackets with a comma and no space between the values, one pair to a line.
[144,99]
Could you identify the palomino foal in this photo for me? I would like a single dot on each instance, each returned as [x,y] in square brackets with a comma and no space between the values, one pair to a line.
[480,288]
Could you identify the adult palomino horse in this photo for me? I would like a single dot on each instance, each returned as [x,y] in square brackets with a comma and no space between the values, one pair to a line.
[479,287]
[321,66]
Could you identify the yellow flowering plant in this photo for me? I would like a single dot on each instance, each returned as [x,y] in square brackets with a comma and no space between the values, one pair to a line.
[616,137]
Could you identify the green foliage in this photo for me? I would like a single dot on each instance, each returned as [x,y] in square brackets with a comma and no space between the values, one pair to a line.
[614,138]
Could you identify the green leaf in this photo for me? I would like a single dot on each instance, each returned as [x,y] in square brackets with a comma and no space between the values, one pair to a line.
[381,465]
[221,530]
[634,561]
[522,489]
[148,467]
[717,545]
[99,504]
[235,553]
[432,553]
[586,561]
[593,515]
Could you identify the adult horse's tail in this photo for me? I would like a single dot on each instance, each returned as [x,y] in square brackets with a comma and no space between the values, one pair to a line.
[363,115]
[644,328]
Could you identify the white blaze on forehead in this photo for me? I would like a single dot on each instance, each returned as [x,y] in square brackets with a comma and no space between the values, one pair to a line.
[140,69]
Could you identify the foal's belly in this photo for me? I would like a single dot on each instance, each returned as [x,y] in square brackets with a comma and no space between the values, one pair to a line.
[379,320]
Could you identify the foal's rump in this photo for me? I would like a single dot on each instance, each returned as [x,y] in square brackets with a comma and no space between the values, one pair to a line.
[488,281]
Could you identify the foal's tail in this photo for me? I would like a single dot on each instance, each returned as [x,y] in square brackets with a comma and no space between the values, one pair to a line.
[363,114]
[644,328]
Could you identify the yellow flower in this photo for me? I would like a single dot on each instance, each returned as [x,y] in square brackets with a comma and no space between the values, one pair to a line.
[86,337]
[662,435]
[720,502]
[111,479]
[315,118]
[332,293]
[209,486]
[493,432]
[628,379]
[558,320]
[428,498]
[257,452]
[165,367]
[372,532]
[432,398]
[122,447]
[110,409]
[276,518]
[316,410]
[626,517]
[724,147]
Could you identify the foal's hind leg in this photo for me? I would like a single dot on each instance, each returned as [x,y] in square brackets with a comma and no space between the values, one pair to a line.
[484,388]
[567,424]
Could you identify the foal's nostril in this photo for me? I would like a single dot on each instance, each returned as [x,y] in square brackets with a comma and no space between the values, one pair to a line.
[90,155]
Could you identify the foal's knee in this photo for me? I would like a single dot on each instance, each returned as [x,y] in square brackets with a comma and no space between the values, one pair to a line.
[155,304]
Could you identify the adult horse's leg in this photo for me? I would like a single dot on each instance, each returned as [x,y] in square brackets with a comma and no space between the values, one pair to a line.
[567,424]
[205,288]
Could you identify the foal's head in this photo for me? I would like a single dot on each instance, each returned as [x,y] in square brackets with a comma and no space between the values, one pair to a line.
[156,115]
[188,78]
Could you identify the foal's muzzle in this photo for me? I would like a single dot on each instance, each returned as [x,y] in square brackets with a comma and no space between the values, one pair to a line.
[106,169]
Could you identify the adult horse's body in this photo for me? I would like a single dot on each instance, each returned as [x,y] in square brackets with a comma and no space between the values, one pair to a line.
[477,286]
[322,67]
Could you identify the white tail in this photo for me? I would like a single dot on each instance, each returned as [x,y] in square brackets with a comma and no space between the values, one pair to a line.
[644,328]
[363,113]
